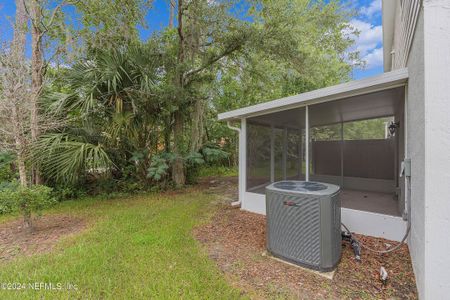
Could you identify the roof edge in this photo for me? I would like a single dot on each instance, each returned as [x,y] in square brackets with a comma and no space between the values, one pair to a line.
[352,88]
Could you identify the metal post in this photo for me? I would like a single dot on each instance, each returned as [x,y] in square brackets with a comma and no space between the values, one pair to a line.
[284,156]
[300,152]
[307,143]
[272,154]
[242,160]
[342,154]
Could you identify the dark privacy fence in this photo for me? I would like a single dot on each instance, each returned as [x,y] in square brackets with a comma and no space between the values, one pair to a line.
[361,158]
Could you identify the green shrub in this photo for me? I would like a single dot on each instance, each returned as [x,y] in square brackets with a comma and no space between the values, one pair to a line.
[193,162]
[159,170]
[26,200]
[213,155]
[7,203]
[159,166]
[7,172]
[61,193]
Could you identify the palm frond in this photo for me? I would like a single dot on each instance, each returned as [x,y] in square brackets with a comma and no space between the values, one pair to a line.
[65,159]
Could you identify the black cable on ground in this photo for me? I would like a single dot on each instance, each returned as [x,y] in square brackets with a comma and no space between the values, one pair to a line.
[380,251]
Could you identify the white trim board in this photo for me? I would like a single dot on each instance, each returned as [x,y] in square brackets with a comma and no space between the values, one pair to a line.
[373,84]
[362,222]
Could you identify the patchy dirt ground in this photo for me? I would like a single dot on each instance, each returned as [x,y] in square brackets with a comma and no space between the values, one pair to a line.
[15,240]
[236,241]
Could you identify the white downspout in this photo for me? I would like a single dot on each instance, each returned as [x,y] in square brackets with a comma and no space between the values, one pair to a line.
[233,127]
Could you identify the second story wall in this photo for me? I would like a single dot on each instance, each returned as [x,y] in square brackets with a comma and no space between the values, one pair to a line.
[399,25]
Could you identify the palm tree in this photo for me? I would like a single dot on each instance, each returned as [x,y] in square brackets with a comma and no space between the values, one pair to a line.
[111,111]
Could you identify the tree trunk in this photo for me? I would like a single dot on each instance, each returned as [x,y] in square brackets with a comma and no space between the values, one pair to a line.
[20,145]
[167,132]
[18,54]
[27,220]
[197,126]
[178,175]
[37,67]
[171,12]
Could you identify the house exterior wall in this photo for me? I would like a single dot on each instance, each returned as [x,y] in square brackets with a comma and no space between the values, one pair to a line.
[428,146]
[437,148]
[415,112]
[406,16]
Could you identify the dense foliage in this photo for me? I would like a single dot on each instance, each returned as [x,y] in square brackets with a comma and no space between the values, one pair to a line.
[135,114]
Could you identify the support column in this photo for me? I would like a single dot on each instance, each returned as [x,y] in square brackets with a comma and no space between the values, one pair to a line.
[300,152]
[406,213]
[242,160]
[342,155]
[272,154]
[284,156]
[307,143]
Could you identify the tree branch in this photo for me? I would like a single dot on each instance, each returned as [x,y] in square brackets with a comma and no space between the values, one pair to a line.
[213,60]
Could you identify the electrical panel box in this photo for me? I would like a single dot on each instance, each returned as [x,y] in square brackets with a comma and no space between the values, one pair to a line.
[406,168]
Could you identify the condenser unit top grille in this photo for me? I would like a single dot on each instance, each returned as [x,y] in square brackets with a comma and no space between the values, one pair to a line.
[304,187]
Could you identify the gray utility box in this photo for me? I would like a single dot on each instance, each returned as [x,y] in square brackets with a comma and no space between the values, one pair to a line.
[304,223]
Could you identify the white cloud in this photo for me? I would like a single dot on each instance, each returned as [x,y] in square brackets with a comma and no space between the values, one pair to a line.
[373,8]
[374,58]
[369,38]
[212,2]
[368,43]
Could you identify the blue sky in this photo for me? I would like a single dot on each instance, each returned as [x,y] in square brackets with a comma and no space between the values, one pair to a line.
[369,43]
[368,22]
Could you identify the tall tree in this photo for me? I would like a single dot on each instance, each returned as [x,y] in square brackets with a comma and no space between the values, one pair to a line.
[303,46]
[42,21]
[207,34]
[178,175]
[171,12]
[214,57]
[109,23]
[14,99]
[37,74]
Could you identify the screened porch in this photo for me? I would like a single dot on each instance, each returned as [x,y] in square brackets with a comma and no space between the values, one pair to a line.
[354,142]
[352,134]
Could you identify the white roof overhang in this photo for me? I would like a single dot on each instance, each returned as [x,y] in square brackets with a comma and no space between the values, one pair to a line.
[374,84]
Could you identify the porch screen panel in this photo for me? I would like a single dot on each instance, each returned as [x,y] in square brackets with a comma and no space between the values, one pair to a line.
[278,134]
[258,156]
[294,154]
[325,150]
[369,152]
[369,159]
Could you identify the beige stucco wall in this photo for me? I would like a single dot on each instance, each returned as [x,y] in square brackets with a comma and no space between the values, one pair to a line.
[416,152]
[428,145]
[437,148]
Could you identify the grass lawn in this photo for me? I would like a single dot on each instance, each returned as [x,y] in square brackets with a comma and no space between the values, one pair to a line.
[137,247]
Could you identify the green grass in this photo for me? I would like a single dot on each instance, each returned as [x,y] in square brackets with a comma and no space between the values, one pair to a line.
[138,247]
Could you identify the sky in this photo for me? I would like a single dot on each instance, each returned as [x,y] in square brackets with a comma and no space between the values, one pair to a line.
[367,21]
